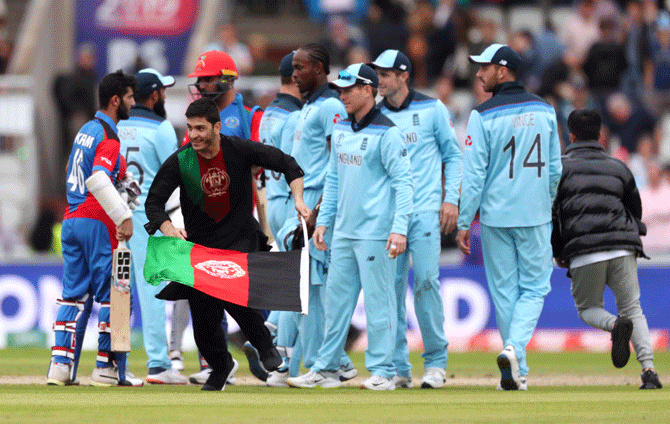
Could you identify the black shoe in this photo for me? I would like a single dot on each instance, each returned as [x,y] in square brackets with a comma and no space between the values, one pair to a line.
[650,380]
[271,360]
[217,380]
[255,365]
[623,328]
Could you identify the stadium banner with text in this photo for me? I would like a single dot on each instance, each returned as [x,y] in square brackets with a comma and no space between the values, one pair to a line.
[126,33]
[28,309]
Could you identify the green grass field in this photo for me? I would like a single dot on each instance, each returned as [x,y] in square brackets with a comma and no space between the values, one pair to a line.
[38,403]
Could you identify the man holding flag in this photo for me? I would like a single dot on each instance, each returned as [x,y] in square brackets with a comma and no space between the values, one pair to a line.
[213,173]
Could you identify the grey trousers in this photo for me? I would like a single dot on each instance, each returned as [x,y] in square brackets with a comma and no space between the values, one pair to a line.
[620,274]
[181,313]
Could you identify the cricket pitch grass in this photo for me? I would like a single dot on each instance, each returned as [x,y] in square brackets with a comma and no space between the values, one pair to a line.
[562,388]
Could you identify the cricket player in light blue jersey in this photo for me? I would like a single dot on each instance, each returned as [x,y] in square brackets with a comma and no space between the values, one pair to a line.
[277,129]
[311,149]
[367,201]
[512,166]
[147,139]
[431,143]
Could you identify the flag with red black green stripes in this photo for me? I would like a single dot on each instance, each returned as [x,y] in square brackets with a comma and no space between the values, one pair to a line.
[276,281]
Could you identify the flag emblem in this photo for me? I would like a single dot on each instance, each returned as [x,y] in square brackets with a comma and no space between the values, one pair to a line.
[221,269]
[215,182]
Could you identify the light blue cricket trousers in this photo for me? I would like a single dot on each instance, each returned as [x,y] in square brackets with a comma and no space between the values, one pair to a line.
[423,241]
[518,268]
[356,265]
[153,310]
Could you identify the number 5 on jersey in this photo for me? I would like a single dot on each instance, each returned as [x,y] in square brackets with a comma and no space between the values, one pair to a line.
[119,312]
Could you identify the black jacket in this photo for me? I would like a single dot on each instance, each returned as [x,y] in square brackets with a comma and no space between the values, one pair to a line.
[597,206]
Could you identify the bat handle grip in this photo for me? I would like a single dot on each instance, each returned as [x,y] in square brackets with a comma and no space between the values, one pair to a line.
[122,245]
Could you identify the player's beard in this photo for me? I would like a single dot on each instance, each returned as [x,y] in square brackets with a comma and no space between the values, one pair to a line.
[123,112]
[159,109]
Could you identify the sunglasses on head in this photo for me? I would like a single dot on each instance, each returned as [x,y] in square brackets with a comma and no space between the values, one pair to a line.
[346,76]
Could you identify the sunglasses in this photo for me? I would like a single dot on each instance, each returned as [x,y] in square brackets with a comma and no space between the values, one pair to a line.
[346,76]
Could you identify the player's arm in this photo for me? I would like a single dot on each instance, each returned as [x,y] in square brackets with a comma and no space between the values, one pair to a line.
[395,160]
[452,159]
[167,179]
[555,165]
[328,206]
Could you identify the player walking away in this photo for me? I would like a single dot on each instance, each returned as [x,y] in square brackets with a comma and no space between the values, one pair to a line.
[147,140]
[216,73]
[95,220]
[511,168]
[212,172]
[596,233]
[311,149]
[277,129]
[369,180]
[431,143]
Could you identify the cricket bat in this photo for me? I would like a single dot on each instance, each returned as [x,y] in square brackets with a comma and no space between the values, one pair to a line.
[119,302]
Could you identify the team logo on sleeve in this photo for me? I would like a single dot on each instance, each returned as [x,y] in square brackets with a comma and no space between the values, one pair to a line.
[468,141]
[232,122]
[336,118]
[404,153]
[215,182]
[221,269]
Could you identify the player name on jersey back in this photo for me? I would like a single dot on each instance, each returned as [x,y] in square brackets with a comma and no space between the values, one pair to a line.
[84,140]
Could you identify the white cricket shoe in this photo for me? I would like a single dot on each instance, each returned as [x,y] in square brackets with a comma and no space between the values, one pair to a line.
[509,369]
[434,378]
[327,380]
[277,379]
[402,382]
[523,386]
[202,376]
[59,374]
[347,372]
[171,376]
[105,377]
[377,382]
[177,360]
[131,380]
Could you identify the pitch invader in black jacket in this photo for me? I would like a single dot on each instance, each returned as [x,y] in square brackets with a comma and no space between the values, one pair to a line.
[597,227]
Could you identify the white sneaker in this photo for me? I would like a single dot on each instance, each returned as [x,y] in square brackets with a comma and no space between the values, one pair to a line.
[347,372]
[434,378]
[523,386]
[171,376]
[59,374]
[327,380]
[402,381]
[131,380]
[509,369]
[277,379]
[377,382]
[202,376]
[177,360]
[105,377]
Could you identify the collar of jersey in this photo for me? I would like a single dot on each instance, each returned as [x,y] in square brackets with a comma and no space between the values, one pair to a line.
[507,86]
[290,98]
[365,121]
[405,104]
[316,94]
[101,115]
[586,144]
[144,112]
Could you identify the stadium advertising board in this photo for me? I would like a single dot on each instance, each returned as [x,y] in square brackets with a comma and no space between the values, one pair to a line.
[28,309]
[155,32]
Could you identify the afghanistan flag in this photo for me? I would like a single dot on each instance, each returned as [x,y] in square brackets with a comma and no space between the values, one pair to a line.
[276,281]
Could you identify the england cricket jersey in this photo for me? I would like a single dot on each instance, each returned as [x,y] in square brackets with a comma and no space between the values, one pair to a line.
[277,129]
[312,131]
[512,160]
[430,141]
[147,140]
[369,191]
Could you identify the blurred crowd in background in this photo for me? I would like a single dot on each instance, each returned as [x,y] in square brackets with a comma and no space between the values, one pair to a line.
[612,56]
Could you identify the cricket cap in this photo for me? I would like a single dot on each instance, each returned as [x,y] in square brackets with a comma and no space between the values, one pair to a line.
[392,59]
[499,54]
[286,65]
[150,80]
[358,73]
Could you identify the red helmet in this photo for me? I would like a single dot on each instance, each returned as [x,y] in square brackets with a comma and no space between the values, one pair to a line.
[214,63]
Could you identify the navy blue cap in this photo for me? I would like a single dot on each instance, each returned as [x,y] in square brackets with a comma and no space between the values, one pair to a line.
[358,73]
[499,54]
[392,59]
[150,80]
[286,65]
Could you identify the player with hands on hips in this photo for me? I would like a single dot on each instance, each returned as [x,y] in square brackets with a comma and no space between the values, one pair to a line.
[369,180]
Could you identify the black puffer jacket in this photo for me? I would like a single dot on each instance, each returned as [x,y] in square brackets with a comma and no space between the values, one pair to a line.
[597,206]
